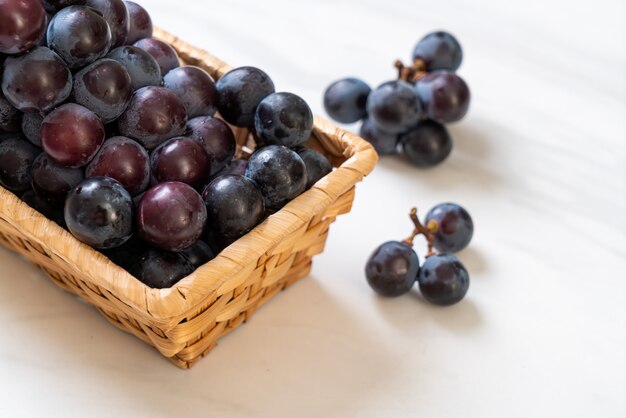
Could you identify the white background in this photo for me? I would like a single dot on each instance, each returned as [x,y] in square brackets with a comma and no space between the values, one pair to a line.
[540,162]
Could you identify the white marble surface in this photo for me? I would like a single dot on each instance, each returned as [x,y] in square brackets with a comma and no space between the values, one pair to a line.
[540,162]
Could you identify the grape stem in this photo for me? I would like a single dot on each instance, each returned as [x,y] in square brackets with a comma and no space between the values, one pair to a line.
[413,73]
[428,231]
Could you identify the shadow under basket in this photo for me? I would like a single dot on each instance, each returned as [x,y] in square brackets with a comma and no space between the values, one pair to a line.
[185,321]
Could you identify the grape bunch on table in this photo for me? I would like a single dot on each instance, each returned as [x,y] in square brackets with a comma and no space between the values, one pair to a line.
[408,115]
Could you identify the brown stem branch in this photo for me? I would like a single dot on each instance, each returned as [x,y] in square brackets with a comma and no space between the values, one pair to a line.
[428,232]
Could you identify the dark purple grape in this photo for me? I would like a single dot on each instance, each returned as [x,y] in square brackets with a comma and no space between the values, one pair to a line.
[103,87]
[36,81]
[142,68]
[140,24]
[162,52]
[171,216]
[284,119]
[345,100]
[99,212]
[195,88]
[239,93]
[181,159]
[200,254]
[154,115]
[31,127]
[392,268]
[71,135]
[161,269]
[22,25]
[124,160]
[54,6]
[443,279]
[16,160]
[234,205]
[80,36]
[216,137]
[444,96]
[317,166]
[454,227]
[53,181]
[394,107]
[236,167]
[383,142]
[439,51]
[279,173]
[116,15]
[51,209]
[218,242]
[128,254]
[9,116]
[427,144]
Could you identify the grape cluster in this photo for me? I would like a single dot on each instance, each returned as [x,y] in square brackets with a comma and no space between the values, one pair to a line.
[394,267]
[408,115]
[103,132]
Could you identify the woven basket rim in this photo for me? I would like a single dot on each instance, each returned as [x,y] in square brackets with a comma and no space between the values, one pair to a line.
[238,258]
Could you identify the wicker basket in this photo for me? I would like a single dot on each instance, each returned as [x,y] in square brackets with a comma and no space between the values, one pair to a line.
[185,321]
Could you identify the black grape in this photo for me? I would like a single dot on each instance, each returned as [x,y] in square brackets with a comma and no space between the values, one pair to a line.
[392,268]
[455,227]
[444,95]
[427,144]
[317,166]
[16,160]
[394,107]
[345,100]
[141,66]
[384,143]
[439,51]
[279,173]
[283,119]
[239,93]
[443,280]
[53,181]
[99,212]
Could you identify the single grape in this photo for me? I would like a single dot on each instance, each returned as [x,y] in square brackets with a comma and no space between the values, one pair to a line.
[279,173]
[16,160]
[195,88]
[394,107]
[383,142]
[99,212]
[317,166]
[161,269]
[80,36]
[171,216]
[283,119]
[116,15]
[439,51]
[37,81]
[154,115]
[345,100]
[427,144]
[216,137]
[200,254]
[235,167]
[52,181]
[181,159]
[239,93]
[103,87]
[9,116]
[141,66]
[140,23]
[22,25]
[124,160]
[443,279]
[454,227]
[162,52]
[31,127]
[51,209]
[234,205]
[71,135]
[392,268]
[54,6]
[444,95]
